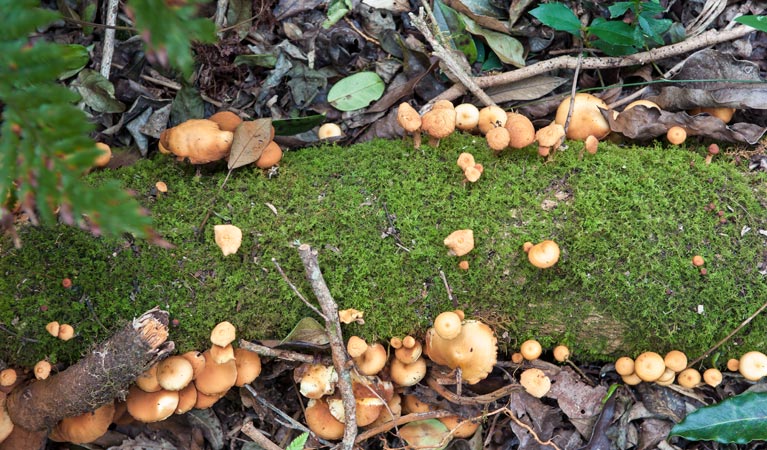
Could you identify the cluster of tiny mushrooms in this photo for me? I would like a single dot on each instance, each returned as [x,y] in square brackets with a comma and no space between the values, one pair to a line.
[381,376]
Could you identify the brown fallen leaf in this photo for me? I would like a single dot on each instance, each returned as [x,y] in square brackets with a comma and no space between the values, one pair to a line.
[250,140]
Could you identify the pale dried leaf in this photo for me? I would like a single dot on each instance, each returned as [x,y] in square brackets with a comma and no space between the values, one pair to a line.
[250,140]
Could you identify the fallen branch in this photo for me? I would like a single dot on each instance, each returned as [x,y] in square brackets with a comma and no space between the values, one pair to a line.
[99,378]
[478,400]
[709,38]
[258,437]
[333,328]
[412,417]
[285,355]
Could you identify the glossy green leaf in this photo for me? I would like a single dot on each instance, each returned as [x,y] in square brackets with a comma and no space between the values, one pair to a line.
[736,420]
[290,127]
[98,92]
[263,60]
[508,49]
[758,22]
[619,8]
[559,17]
[450,22]
[76,57]
[337,9]
[356,91]
[615,32]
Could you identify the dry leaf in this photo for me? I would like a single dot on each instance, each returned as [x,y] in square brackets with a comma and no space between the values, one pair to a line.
[228,238]
[250,140]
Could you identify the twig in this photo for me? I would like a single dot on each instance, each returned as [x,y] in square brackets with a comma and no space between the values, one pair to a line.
[108,49]
[295,289]
[711,37]
[530,430]
[446,56]
[367,434]
[285,355]
[636,94]
[448,289]
[258,437]
[22,338]
[333,328]
[728,337]
[478,400]
[220,17]
[572,92]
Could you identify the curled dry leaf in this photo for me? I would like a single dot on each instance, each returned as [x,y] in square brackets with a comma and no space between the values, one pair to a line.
[250,140]
[351,315]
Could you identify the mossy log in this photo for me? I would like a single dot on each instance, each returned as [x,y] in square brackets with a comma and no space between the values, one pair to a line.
[99,378]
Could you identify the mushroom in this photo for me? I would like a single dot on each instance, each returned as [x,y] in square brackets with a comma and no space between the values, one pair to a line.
[187,398]
[321,422]
[733,364]
[174,373]
[517,358]
[42,369]
[331,130]
[474,350]
[712,377]
[447,325]
[688,378]
[698,261]
[460,242]
[315,380]
[220,355]
[491,117]
[723,113]
[53,328]
[675,360]
[205,401]
[667,378]
[411,404]
[463,265]
[498,139]
[8,377]
[199,140]
[372,361]
[438,123]
[84,428]
[228,238]
[531,349]
[472,173]
[197,360]
[465,160]
[409,352]
[391,412]
[151,406]
[535,382]
[407,374]
[459,428]
[713,150]
[521,130]
[624,366]
[216,378]
[466,117]
[409,119]
[591,144]
[753,365]
[226,120]
[66,332]
[351,315]
[561,353]
[223,334]
[147,381]
[676,135]
[271,155]
[549,138]
[649,366]
[248,365]
[543,254]
[356,346]
[161,187]
[586,119]
[106,155]
[631,379]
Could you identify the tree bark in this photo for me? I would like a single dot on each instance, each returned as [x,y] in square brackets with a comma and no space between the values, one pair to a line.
[99,378]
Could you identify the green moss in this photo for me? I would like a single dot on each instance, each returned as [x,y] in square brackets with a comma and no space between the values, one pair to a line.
[628,221]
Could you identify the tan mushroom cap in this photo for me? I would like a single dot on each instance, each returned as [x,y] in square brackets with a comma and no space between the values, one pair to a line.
[550,136]
[53,328]
[649,366]
[216,378]
[321,422]
[535,382]
[411,404]
[473,173]
[199,140]
[205,401]
[561,353]
[466,116]
[395,406]
[228,238]
[491,117]
[722,113]
[733,364]
[272,155]
[151,406]
[366,410]
[329,130]
[498,138]
[197,359]
[407,374]
[753,365]
[6,425]
[174,373]
[676,135]
[460,242]
[372,361]
[147,381]
[8,377]
[223,334]
[187,398]
[474,350]
[543,254]
[316,380]
[591,144]
[226,120]
[531,349]
[465,160]
[688,378]
[351,315]
[460,428]
[586,119]
[42,369]
[667,378]
[642,102]
[675,360]
[624,366]
[86,427]
[66,332]
[408,118]
[356,346]
[438,123]
[521,130]
[106,155]
[712,377]
[447,325]
[248,366]
[409,354]
[631,379]
[220,354]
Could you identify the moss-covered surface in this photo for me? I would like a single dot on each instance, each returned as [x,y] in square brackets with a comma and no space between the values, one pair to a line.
[628,221]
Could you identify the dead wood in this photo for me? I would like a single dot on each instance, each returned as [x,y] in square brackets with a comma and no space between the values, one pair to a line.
[99,378]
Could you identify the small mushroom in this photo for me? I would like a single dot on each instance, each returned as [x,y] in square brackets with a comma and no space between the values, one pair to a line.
[438,123]
[544,254]
[226,120]
[491,117]
[329,130]
[624,365]
[521,130]
[631,379]
[106,155]
[356,346]
[351,315]
[649,366]
[712,377]
[733,364]
[498,139]
[84,428]
[531,349]
[713,150]
[66,332]
[472,173]
[42,369]
[459,428]
[147,381]
[460,242]
[675,360]
[174,373]
[187,399]
[321,422]
[586,119]
[722,113]
[403,374]
[409,119]
[228,238]
[465,160]
[53,328]
[447,325]
[372,361]
[667,378]
[248,365]
[316,380]
[688,378]
[151,406]
[753,365]
[561,353]
[474,350]
[223,334]
[271,155]
[698,261]
[466,117]
[535,382]
[199,140]
[591,144]
[216,378]
[676,135]
[549,138]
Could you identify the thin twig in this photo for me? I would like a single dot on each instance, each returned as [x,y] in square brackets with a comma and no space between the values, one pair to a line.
[367,434]
[530,430]
[333,329]
[478,400]
[448,289]
[258,437]
[295,289]
[108,49]
[220,17]
[572,92]
[728,337]
[286,355]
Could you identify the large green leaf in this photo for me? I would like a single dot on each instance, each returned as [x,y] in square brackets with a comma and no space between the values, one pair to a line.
[76,57]
[615,32]
[508,49]
[559,17]
[758,22]
[737,420]
[290,127]
[450,22]
[356,91]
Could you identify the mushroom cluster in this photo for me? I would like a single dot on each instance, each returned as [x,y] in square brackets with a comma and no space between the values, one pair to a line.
[471,169]
[543,254]
[651,367]
[471,346]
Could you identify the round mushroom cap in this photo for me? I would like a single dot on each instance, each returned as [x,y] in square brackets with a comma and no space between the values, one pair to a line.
[248,366]
[372,361]
[561,353]
[226,120]
[228,238]
[676,135]
[147,381]
[199,140]
[356,346]
[535,382]
[753,365]
[631,379]
[407,374]
[447,325]
[408,118]
[498,138]
[624,366]
[409,355]
[174,373]
[106,155]
[543,254]
[460,242]
[591,144]
[331,130]
[216,378]
[688,378]
[66,332]
[187,398]
[316,380]
[667,378]
[586,119]
[53,328]
[712,377]
[723,113]
[205,401]
[439,123]
[531,349]
[474,350]
[491,117]
[550,136]
[272,155]
[733,364]
[151,406]
[42,369]
[465,160]
[521,130]
[197,359]
[86,427]
[649,366]
[223,334]
[466,116]
[473,173]
[460,428]
[321,422]
[8,377]
[675,360]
